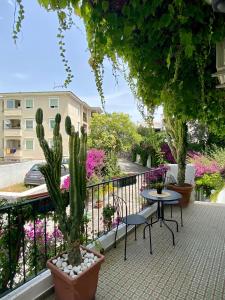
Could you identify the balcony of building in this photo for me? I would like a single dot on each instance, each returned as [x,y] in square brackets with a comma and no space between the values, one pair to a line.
[192,269]
[12,128]
[12,149]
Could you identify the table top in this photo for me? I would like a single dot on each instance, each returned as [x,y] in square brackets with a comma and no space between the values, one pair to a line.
[147,194]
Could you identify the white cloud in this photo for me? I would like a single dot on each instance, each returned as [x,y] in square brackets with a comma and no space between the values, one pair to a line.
[10,2]
[21,76]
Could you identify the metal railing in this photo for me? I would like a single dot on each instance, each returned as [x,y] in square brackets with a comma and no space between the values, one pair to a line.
[29,234]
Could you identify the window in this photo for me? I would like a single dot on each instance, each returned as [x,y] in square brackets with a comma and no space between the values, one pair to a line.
[13,103]
[29,144]
[29,124]
[84,117]
[29,103]
[53,102]
[10,104]
[51,123]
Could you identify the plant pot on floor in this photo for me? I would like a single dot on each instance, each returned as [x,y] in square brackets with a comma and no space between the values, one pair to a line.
[83,287]
[184,190]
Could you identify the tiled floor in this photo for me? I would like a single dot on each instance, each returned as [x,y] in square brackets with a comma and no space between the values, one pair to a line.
[193,269]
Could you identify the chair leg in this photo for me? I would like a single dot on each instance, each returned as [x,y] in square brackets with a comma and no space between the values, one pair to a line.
[150,239]
[135,232]
[125,249]
[116,234]
[171,211]
[181,216]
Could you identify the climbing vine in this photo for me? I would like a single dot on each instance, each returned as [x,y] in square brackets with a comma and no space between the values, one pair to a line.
[167,45]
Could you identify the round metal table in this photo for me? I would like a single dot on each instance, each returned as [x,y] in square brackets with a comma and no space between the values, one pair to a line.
[151,195]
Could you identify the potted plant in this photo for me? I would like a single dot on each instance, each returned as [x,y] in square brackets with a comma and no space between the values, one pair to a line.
[75,272]
[177,136]
[108,212]
[159,187]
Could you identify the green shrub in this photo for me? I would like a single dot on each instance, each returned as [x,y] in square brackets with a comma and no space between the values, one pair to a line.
[218,154]
[210,182]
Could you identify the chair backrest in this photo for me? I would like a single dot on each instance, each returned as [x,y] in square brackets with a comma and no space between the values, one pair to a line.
[120,206]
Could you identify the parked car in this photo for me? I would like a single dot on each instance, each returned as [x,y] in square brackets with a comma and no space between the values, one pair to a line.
[34,177]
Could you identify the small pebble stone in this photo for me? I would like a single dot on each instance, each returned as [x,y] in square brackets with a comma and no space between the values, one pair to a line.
[70,267]
[76,269]
[95,258]
[67,271]
[54,261]
[64,264]
[71,273]
[59,264]
[86,260]
[88,265]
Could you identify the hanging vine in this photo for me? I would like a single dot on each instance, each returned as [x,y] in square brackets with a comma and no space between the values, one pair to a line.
[18,18]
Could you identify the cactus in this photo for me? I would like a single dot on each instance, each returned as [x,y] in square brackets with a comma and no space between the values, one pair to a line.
[70,224]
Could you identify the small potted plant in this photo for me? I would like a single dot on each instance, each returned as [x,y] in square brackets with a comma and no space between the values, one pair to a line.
[75,272]
[159,187]
[108,212]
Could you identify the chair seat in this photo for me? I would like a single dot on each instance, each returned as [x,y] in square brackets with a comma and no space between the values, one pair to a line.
[171,202]
[134,220]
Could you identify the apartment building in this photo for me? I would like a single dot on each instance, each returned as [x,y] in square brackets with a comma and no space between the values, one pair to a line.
[18,139]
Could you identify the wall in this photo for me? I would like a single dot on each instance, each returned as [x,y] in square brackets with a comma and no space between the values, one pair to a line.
[14,173]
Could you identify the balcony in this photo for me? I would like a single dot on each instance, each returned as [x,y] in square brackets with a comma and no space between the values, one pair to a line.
[14,112]
[12,132]
[193,269]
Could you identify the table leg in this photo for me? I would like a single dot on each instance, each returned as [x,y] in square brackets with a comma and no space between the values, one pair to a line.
[163,221]
[168,220]
[170,231]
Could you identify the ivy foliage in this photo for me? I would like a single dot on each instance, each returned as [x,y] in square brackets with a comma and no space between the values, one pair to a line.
[168,45]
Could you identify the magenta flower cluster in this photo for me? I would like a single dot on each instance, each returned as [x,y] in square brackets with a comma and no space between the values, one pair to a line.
[94,164]
[156,174]
[165,149]
[38,232]
[203,165]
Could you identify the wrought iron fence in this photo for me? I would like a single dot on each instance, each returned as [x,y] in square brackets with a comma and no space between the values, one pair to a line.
[29,234]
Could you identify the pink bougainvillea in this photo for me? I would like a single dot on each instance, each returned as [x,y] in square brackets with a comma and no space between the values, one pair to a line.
[94,164]
[203,164]
[165,149]
[38,231]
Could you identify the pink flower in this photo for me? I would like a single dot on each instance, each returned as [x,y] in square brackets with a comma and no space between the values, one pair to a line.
[94,165]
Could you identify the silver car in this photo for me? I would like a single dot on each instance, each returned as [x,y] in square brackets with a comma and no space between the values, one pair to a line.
[34,177]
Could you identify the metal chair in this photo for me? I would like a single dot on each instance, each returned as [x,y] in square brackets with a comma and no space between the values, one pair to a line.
[132,219]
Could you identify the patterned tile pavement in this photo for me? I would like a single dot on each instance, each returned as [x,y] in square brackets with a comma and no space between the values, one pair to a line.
[193,269]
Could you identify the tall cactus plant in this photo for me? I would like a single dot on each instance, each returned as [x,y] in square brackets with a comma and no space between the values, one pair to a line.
[71,223]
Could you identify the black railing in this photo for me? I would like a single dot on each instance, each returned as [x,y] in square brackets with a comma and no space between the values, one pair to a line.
[29,234]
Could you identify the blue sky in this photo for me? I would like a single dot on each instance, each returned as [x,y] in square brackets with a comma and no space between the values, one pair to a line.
[34,63]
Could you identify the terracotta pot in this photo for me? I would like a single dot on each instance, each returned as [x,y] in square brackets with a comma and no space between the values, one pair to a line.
[83,287]
[184,190]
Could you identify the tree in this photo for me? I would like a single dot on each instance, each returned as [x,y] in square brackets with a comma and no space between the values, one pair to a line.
[169,47]
[112,132]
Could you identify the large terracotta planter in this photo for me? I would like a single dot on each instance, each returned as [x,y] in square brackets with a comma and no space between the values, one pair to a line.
[83,287]
[184,190]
